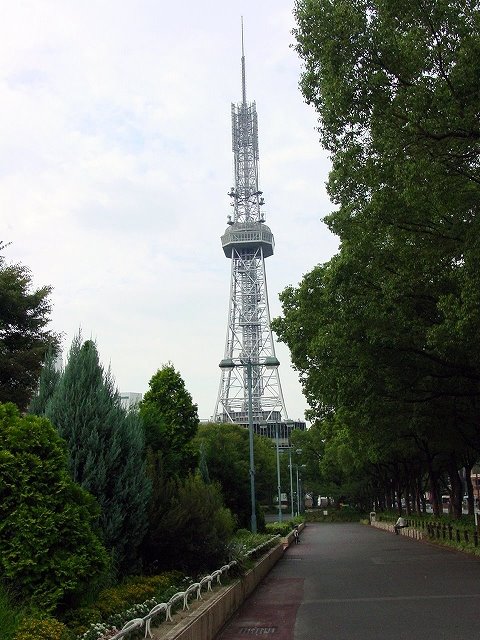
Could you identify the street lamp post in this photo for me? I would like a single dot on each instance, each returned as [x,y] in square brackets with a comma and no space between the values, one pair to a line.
[298,495]
[228,363]
[253,516]
[277,446]
[300,490]
[291,479]
[279,489]
[298,452]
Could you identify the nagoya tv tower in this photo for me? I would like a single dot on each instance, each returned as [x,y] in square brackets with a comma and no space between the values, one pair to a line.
[249,378]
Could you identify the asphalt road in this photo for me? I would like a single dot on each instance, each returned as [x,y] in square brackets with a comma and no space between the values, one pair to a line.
[355,582]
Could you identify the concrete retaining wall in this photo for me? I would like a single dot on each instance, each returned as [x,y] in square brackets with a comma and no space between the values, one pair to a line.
[210,617]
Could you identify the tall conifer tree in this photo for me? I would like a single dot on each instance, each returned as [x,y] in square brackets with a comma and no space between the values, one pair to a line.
[48,380]
[106,447]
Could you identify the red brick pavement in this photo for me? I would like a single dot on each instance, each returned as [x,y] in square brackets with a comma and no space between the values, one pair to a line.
[270,610]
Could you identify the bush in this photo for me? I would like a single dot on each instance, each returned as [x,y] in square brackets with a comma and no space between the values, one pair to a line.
[48,549]
[113,601]
[42,629]
[134,590]
[190,527]
[285,527]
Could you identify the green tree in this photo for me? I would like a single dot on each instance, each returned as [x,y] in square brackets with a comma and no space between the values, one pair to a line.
[191,527]
[24,339]
[49,377]
[394,84]
[106,449]
[384,334]
[48,548]
[225,449]
[170,421]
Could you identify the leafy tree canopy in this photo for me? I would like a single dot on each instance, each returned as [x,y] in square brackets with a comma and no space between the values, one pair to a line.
[170,420]
[24,339]
[385,334]
[226,455]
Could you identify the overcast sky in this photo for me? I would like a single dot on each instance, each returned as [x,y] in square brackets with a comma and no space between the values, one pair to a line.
[116,162]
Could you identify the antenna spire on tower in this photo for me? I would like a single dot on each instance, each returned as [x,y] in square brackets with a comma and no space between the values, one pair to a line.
[244,86]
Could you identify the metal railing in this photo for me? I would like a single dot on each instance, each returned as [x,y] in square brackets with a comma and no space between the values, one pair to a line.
[443,531]
[194,589]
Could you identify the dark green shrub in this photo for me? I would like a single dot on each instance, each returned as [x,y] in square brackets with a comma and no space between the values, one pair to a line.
[191,527]
[285,527]
[48,548]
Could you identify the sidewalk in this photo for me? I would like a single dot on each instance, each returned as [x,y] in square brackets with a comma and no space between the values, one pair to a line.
[353,582]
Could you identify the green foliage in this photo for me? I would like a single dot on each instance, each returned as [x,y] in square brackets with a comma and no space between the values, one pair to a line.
[190,528]
[170,420]
[47,383]
[10,613]
[242,548]
[385,335]
[112,601]
[24,340]
[335,515]
[283,528]
[225,449]
[48,549]
[42,629]
[106,451]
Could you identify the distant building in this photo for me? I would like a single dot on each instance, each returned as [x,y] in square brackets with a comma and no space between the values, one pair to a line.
[130,399]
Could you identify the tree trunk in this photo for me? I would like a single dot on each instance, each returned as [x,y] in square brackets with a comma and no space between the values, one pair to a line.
[433,480]
[469,486]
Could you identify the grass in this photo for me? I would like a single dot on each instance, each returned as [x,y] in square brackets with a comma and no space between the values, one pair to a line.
[10,615]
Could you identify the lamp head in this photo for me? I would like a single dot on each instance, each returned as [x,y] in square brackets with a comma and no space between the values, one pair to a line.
[227,363]
[271,362]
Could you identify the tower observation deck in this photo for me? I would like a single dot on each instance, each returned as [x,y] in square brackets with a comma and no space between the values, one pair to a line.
[247,241]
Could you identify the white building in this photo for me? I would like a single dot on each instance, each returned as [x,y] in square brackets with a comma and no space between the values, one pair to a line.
[130,399]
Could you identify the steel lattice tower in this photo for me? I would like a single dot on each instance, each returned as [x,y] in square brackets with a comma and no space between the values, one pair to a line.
[247,241]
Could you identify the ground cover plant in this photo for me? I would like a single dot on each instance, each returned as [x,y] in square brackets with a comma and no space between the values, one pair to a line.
[285,527]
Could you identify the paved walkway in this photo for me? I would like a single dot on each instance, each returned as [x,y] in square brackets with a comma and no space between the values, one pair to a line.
[355,582]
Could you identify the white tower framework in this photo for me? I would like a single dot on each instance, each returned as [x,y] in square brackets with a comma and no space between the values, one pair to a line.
[247,241]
